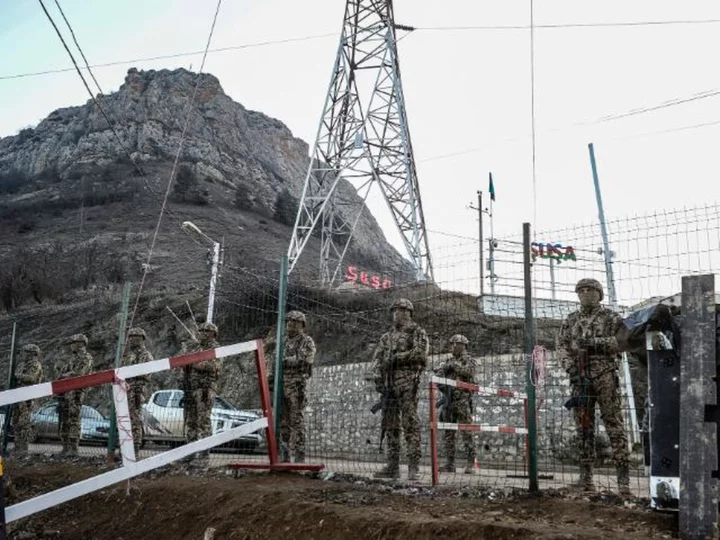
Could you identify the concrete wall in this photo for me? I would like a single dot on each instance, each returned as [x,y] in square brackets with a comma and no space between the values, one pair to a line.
[340,422]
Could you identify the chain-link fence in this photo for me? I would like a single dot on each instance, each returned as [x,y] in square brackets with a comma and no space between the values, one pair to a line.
[650,254]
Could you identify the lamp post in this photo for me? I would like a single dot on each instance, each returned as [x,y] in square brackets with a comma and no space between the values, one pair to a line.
[189,226]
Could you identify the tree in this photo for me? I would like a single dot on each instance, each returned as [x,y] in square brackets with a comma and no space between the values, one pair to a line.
[184,180]
[286,208]
[243,198]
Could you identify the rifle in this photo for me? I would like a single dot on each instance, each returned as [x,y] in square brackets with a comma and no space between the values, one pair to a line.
[583,400]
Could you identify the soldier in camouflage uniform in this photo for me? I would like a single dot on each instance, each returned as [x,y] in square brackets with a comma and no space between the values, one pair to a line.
[587,348]
[28,372]
[200,386]
[78,362]
[400,358]
[457,406]
[137,353]
[298,358]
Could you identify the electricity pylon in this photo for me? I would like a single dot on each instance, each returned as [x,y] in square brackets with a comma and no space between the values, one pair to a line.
[365,146]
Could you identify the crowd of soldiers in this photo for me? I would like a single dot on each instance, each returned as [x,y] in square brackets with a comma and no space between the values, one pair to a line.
[199,385]
[587,348]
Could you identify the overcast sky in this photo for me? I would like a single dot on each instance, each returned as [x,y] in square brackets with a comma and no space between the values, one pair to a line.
[468,92]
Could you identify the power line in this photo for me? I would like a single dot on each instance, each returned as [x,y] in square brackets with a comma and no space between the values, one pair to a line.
[570,25]
[95,100]
[170,56]
[705,94]
[175,164]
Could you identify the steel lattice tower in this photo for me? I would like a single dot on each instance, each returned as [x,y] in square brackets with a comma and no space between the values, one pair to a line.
[362,145]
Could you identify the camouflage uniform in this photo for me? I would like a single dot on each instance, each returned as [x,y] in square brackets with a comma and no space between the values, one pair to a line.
[28,372]
[457,407]
[399,360]
[588,348]
[298,358]
[137,353]
[79,362]
[200,385]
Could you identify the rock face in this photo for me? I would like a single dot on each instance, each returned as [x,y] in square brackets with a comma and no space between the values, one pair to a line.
[230,154]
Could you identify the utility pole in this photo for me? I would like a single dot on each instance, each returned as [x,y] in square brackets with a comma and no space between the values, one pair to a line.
[480,212]
[612,297]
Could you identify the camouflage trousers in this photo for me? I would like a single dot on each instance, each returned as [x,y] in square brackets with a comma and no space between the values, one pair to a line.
[22,425]
[199,401]
[70,408]
[292,419]
[136,397]
[459,413]
[402,413]
[605,391]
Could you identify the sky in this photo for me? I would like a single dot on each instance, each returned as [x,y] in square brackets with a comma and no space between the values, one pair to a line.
[468,95]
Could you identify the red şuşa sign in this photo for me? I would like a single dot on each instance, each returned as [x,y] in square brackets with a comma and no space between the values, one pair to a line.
[370,280]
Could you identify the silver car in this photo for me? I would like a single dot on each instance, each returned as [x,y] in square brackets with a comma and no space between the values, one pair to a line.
[94,427]
[164,420]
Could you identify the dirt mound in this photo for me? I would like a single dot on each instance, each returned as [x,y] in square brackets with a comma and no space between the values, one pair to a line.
[181,506]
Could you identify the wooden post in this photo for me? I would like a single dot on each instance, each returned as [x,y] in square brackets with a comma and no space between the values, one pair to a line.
[698,400]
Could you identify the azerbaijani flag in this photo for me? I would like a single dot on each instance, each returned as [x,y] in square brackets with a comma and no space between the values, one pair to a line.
[491,189]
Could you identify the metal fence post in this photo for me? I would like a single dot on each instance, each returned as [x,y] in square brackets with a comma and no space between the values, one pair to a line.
[10,384]
[6,428]
[279,349]
[112,434]
[529,345]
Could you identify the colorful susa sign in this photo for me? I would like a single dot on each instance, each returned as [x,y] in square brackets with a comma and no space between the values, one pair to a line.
[556,252]
[354,275]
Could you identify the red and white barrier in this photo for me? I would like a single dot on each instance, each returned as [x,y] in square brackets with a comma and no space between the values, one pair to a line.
[449,426]
[130,468]
[480,390]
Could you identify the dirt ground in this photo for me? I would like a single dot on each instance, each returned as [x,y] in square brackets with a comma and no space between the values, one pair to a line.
[180,503]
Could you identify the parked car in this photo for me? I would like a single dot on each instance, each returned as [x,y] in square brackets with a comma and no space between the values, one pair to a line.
[164,420]
[94,427]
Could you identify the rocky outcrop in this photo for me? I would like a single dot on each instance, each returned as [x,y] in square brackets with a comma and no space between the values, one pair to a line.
[226,147]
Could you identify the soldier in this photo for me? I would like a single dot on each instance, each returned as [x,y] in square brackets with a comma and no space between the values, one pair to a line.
[137,353]
[587,348]
[28,372]
[298,358]
[400,358]
[457,403]
[200,386]
[79,362]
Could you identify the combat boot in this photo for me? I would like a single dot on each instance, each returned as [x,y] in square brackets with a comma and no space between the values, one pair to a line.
[623,480]
[300,457]
[413,473]
[586,482]
[470,469]
[391,471]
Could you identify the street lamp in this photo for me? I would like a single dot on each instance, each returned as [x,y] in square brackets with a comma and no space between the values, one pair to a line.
[189,226]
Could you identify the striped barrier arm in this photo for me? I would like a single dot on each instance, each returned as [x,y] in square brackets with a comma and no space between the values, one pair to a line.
[108,376]
[481,390]
[447,426]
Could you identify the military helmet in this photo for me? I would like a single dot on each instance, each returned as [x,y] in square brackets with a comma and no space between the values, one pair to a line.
[459,338]
[296,316]
[79,338]
[139,332]
[209,327]
[403,303]
[31,348]
[590,283]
